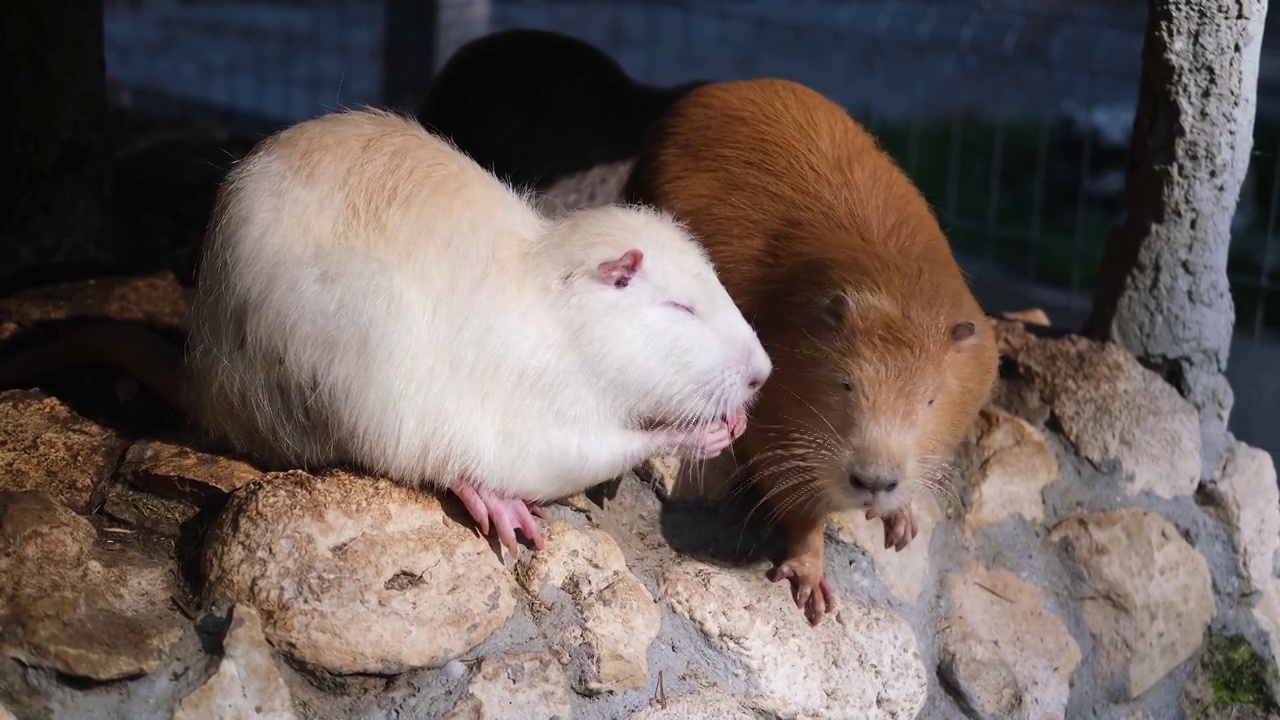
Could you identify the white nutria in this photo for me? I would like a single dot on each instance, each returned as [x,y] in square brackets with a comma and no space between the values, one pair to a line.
[369,295]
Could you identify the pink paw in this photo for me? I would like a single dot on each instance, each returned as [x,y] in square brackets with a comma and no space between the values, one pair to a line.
[809,588]
[505,514]
[899,527]
[737,421]
[706,443]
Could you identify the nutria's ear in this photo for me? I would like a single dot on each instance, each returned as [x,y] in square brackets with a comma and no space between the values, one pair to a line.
[835,308]
[963,332]
[619,271]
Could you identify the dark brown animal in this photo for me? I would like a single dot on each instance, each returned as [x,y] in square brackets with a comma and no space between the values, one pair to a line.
[534,106]
[882,356]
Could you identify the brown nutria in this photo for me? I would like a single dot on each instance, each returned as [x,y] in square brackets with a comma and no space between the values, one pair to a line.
[533,106]
[882,355]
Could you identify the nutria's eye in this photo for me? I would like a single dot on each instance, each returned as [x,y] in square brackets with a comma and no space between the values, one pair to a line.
[681,306]
[931,401]
[847,387]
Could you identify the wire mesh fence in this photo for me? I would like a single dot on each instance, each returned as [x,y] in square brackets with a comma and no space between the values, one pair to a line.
[1013,116]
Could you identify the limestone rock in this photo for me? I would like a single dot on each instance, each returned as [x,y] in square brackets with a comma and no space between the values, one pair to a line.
[157,300]
[1151,595]
[1030,316]
[69,605]
[355,574]
[597,186]
[1267,613]
[247,683]
[1015,466]
[180,473]
[6,713]
[1011,335]
[1006,653]
[1248,493]
[141,511]
[603,619]
[702,705]
[903,572]
[514,687]
[861,657]
[46,446]
[1114,410]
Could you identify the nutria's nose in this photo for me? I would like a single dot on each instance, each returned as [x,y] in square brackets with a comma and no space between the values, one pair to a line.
[873,483]
[758,370]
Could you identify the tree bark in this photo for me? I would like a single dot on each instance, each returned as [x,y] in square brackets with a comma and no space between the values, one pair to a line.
[1164,293]
[53,102]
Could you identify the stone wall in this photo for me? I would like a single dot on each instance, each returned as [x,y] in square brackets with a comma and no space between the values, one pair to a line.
[1077,568]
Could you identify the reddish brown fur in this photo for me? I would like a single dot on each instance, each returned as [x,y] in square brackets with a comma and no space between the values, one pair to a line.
[838,261]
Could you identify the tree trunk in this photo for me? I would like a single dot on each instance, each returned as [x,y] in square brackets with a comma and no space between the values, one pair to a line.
[53,101]
[1164,293]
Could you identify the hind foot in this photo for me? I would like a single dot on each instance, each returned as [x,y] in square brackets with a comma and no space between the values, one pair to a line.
[505,514]
[809,586]
[899,527]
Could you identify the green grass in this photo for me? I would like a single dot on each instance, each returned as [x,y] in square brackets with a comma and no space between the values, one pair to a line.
[1007,193]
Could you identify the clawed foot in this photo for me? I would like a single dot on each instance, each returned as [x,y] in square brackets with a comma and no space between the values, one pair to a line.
[899,527]
[506,515]
[809,586]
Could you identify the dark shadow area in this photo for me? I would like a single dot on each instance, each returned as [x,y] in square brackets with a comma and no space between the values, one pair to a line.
[719,532]
[535,106]
[100,392]
[190,546]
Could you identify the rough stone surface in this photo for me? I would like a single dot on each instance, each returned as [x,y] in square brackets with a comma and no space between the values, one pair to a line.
[1267,614]
[904,572]
[1015,466]
[1151,596]
[1007,653]
[1113,409]
[355,574]
[71,605]
[247,683]
[44,445]
[702,705]
[1248,493]
[157,300]
[1164,292]
[863,657]
[178,472]
[514,687]
[609,619]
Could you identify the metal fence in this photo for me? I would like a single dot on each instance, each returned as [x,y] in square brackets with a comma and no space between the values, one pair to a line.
[1013,116]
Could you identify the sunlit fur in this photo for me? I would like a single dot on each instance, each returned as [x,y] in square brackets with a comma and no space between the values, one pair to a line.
[797,205]
[369,295]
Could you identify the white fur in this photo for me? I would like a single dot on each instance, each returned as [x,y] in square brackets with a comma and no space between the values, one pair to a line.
[370,295]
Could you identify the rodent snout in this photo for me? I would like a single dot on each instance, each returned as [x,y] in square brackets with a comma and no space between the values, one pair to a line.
[873,482]
[757,369]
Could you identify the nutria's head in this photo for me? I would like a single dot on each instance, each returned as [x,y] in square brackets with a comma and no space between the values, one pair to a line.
[874,389]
